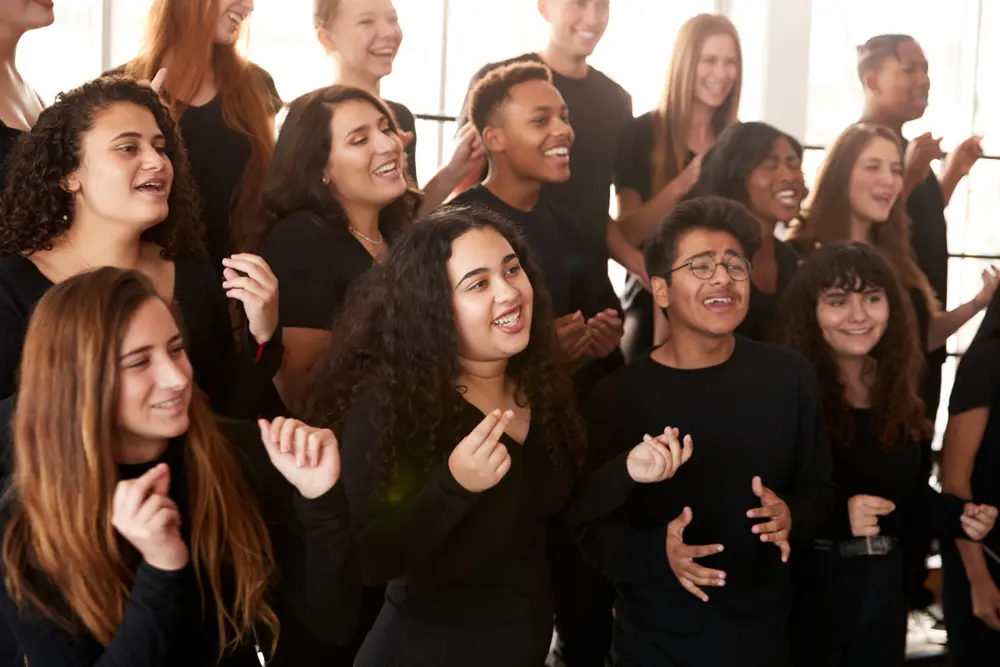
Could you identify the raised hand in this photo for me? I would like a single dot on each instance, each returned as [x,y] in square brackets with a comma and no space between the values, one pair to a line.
[991,278]
[961,160]
[606,331]
[687,178]
[681,558]
[978,521]
[864,511]
[656,459]
[145,515]
[469,153]
[307,457]
[480,461]
[250,280]
[774,508]
[920,152]
[573,335]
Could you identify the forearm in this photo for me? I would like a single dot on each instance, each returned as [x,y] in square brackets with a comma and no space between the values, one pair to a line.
[949,183]
[439,189]
[624,252]
[639,225]
[974,560]
[944,324]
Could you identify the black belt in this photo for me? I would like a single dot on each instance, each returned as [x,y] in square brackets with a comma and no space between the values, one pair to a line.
[879,545]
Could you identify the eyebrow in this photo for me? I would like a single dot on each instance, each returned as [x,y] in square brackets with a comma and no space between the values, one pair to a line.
[146,348]
[711,253]
[480,271]
[135,135]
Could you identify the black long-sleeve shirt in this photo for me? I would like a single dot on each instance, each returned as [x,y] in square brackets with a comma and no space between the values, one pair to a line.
[467,573]
[758,413]
[163,624]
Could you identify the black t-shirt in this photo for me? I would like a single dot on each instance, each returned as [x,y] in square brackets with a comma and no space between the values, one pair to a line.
[758,413]
[977,385]
[218,156]
[600,112]
[634,170]
[8,137]
[407,124]
[760,313]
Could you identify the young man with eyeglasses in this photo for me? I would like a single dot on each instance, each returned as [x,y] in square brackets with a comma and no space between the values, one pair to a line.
[699,561]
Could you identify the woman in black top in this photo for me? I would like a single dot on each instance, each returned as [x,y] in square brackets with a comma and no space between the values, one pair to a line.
[760,167]
[336,197]
[135,532]
[225,108]
[847,313]
[453,497]
[110,187]
[363,37]
[661,155]
[19,104]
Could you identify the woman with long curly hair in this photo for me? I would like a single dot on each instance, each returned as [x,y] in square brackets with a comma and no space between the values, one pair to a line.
[848,314]
[224,106]
[460,444]
[102,180]
[335,198]
[136,532]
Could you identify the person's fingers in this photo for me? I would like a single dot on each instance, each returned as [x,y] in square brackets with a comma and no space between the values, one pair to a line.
[766,512]
[786,550]
[159,80]
[477,437]
[770,527]
[877,506]
[490,442]
[692,589]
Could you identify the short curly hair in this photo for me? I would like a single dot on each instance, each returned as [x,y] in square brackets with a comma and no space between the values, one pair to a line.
[32,217]
[492,90]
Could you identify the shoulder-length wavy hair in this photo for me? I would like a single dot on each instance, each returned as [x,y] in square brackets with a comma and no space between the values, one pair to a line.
[673,115]
[34,207]
[294,180]
[829,212]
[65,436]
[898,409]
[397,345]
[186,30]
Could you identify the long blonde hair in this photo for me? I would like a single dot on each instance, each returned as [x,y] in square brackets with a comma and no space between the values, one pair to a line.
[186,30]
[674,112]
[65,473]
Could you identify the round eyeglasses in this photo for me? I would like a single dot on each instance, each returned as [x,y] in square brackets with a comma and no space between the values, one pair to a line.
[705,266]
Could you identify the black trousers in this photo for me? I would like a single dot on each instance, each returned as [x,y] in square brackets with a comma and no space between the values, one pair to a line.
[848,612]
[971,643]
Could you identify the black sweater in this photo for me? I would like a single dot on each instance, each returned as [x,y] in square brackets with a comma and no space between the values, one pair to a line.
[758,413]
[163,624]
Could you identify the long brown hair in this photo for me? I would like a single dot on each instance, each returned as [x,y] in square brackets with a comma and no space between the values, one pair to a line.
[829,214]
[674,112]
[65,473]
[898,411]
[185,29]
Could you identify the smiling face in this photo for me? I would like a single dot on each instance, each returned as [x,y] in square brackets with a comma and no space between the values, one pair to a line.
[717,71]
[711,307]
[365,36]
[154,378]
[902,85]
[876,181]
[576,26]
[852,322]
[532,133]
[365,166]
[23,15]
[492,297]
[232,15]
[124,175]
[777,185]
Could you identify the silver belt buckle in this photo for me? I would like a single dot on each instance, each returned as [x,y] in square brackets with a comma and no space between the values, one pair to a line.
[877,545]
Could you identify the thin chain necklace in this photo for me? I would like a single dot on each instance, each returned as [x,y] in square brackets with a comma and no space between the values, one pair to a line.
[365,238]
[78,255]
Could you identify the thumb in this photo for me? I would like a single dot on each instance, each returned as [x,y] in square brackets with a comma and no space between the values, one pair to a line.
[158,80]
[758,487]
[161,484]
[685,519]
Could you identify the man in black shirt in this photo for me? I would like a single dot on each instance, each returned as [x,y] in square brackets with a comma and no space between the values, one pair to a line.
[601,111]
[525,128]
[759,477]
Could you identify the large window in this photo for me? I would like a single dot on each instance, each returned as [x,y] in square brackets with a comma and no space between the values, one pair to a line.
[66,53]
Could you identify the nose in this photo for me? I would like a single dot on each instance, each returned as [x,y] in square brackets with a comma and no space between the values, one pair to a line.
[503,291]
[856,312]
[562,128]
[387,142]
[721,276]
[170,374]
[595,14]
[154,160]
[247,5]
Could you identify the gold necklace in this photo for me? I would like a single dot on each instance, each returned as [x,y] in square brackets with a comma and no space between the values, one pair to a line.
[365,238]
[78,255]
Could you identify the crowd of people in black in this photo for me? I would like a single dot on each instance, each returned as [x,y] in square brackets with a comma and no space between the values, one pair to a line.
[265,401]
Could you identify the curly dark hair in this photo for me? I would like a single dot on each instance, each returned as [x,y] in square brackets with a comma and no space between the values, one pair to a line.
[898,409]
[31,218]
[398,347]
[492,90]
[294,181]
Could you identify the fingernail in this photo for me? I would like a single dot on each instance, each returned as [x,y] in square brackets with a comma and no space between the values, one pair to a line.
[509,414]
[719,550]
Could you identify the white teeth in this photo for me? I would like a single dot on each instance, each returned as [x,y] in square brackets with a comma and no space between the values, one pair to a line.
[788,197]
[718,301]
[559,151]
[587,34]
[168,404]
[386,169]
[508,320]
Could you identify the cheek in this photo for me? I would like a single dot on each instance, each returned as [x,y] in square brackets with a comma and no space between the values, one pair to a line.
[827,319]
[133,390]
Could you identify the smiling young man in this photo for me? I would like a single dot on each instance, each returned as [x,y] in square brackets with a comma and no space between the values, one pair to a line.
[524,122]
[601,111]
[759,476]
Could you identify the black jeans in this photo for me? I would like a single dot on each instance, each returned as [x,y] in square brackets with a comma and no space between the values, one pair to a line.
[971,643]
[848,612]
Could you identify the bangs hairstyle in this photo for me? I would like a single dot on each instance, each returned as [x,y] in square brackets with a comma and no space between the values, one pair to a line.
[709,212]
[898,410]
[398,347]
[294,180]
[65,437]
[34,207]
[739,150]
[493,90]
[828,219]
[673,115]
[873,53]
[186,30]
